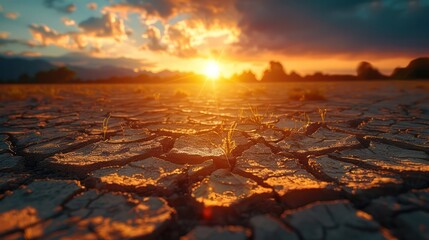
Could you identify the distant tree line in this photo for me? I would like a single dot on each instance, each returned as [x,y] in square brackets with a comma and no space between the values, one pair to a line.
[416,69]
[56,75]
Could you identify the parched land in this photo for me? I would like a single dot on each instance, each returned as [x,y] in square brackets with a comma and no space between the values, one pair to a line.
[215,161]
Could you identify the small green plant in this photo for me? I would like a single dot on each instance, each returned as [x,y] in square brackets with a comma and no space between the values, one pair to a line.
[322,113]
[105,126]
[254,116]
[228,144]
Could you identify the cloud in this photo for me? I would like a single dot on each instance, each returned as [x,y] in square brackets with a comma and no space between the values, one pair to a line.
[83,59]
[11,15]
[70,8]
[4,35]
[47,36]
[290,27]
[93,34]
[158,8]
[179,40]
[5,40]
[334,26]
[8,53]
[106,26]
[60,6]
[68,21]
[29,54]
[153,37]
[210,12]
[92,6]
[187,24]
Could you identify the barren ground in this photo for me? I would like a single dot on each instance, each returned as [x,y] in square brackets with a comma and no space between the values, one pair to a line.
[234,161]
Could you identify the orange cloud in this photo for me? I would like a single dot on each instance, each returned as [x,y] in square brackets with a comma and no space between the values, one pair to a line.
[47,36]
[68,21]
[11,15]
[92,6]
[4,35]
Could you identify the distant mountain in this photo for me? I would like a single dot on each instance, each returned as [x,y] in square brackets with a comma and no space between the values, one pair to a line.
[13,68]
[87,61]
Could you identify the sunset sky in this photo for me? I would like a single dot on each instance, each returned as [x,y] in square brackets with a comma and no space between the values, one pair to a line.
[306,36]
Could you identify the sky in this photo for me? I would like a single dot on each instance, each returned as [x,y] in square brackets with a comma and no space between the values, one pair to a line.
[332,36]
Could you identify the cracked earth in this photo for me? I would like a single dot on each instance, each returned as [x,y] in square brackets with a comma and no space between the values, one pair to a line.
[233,161]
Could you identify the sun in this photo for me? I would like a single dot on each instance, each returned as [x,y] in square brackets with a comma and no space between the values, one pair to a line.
[212,70]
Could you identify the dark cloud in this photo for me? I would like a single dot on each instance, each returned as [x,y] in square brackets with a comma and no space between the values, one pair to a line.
[209,12]
[5,41]
[335,26]
[303,27]
[83,59]
[159,8]
[60,6]
[154,42]
[8,41]
[106,26]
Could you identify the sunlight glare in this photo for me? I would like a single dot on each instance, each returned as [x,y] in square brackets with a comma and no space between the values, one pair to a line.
[212,70]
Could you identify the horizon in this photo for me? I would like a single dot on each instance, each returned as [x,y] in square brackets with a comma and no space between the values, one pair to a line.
[185,36]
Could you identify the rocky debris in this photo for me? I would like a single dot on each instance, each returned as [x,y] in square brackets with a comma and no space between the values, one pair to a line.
[107,216]
[9,161]
[102,154]
[35,202]
[381,156]
[147,175]
[286,176]
[267,227]
[225,189]
[356,181]
[214,233]
[59,145]
[332,220]
[320,142]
